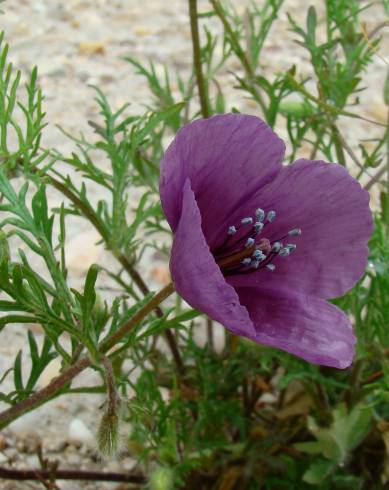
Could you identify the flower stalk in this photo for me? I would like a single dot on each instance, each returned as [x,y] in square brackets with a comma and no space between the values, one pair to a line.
[197,58]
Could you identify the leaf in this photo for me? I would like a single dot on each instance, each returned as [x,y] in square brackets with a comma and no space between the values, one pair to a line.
[18,372]
[386,88]
[161,116]
[311,24]
[89,287]
[345,433]
[5,320]
[183,317]
[318,471]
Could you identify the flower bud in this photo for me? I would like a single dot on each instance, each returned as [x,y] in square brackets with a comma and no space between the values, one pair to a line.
[107,437]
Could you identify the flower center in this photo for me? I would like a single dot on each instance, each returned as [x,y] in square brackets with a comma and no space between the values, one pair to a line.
[245,250]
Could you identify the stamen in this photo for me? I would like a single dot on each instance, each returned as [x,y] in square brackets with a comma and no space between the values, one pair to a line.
[259,255]
[247,221]
[276,247]
[284,252]
[291,246]
[258,226]
[260,214]
[250,242]
[248,251]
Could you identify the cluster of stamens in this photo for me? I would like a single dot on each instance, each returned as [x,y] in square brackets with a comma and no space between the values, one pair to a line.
[244,250]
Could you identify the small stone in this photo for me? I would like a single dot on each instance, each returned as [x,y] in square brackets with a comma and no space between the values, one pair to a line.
[89,48]
[82,252]
[27,425]
[160,274]
[75,23]
[51,371]
[79,432]
[142,31]
[3,442]
[379,112]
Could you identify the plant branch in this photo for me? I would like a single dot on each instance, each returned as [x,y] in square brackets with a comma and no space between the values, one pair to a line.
[49,474]
[56,385]
[90,214]
[376,178]
[113,339]
[43,395]
[197,58]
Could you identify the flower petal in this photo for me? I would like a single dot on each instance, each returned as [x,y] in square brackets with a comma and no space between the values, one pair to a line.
[227,158]
[333,213]
[196,276]
[305,326]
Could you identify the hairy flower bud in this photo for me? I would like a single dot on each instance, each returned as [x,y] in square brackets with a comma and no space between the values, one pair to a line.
[108,434]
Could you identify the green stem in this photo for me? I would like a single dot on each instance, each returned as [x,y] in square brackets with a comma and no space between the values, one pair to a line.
[387,176]
[236,47]
[113,339]
[197,58]
[57,384]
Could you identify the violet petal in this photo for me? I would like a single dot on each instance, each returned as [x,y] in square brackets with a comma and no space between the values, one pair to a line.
[303,325]
[333,213]
[196,276]
[227,158]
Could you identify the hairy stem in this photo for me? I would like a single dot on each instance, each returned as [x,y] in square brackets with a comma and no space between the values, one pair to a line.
[57,384]
[197,58]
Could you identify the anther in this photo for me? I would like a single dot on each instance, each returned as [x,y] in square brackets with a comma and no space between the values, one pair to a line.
[231,230]
[256,264]
[276,247]
[260,214]
[271,267]
[270,216]
[246,261]
[247,221]
[294,232]
[284,252]
[250,242]
[259,255]
[258,226]
[291,246]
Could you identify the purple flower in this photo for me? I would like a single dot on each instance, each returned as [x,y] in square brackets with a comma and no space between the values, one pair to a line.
[259,246]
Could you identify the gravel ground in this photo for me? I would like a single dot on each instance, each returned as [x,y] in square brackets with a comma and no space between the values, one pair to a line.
[80,43]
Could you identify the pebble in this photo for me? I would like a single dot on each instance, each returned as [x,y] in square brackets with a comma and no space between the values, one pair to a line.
[79,433]
[3,442]
[52,370]
[88,48]
[82,251]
